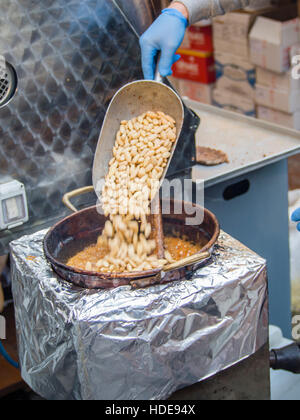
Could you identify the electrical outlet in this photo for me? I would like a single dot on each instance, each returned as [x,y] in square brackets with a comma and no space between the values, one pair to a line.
[13,205]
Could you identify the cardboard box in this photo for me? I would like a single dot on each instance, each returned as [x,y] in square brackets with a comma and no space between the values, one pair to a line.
[231,31]
[284,81]
[279,117]
[195,66]
[281,100]
[295,61]
[194,90]
[235,74]
[258,4]
[199,37]
[232,102]
[272,37]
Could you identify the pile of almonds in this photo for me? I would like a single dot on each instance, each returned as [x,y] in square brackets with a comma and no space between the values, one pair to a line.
[141,153]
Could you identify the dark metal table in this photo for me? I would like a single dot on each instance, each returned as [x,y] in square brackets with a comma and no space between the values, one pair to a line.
[248,380]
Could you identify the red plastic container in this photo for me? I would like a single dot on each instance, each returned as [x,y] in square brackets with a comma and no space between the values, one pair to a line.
[196,66]
[199,38]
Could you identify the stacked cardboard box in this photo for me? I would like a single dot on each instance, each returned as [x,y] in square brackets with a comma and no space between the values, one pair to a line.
[195,91]
[273,40]
[194,74]
[236,75]
[278,98]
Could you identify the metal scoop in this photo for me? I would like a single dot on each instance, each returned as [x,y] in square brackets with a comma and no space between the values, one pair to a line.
[129,102]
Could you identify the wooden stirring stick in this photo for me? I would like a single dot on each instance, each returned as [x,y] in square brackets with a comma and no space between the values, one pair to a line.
[157,227]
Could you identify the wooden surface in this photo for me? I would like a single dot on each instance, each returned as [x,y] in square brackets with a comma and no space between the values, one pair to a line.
[157,228]
[3,260]
[10,378]
[1,299]
[294,172]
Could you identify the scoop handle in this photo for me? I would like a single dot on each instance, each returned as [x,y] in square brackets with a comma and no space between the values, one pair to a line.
[158,77]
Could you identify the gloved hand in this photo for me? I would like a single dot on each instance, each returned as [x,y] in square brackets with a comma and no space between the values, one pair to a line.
[296,217]
[166,35]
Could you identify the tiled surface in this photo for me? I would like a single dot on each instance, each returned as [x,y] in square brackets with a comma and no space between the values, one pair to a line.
[70,56]
[68,61]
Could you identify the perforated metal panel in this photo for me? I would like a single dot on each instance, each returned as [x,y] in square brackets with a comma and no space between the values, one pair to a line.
[70,57]
[8,82]
[5,83]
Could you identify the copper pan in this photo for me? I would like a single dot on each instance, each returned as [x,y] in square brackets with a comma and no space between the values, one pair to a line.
[83,228]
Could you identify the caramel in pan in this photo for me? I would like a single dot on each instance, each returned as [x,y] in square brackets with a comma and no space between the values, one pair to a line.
[178,248]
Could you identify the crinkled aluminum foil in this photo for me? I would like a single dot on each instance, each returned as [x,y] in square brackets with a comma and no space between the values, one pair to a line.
[136,344]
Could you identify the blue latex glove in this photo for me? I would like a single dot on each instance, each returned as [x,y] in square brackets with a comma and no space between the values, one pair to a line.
[296,217]
[166,35]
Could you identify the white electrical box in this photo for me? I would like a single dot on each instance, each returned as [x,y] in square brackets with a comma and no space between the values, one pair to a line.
[13,205]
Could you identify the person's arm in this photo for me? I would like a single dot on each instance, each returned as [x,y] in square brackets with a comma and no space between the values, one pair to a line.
[203,9]
[167,32]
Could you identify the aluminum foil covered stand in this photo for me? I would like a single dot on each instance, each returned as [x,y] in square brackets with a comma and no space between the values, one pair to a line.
[136,344]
